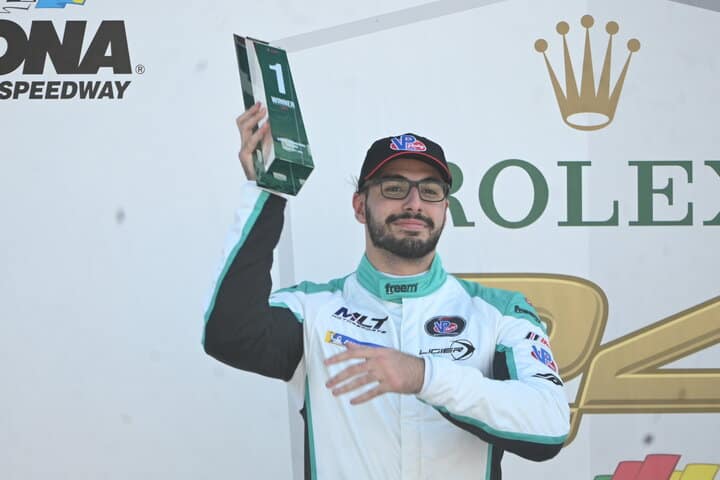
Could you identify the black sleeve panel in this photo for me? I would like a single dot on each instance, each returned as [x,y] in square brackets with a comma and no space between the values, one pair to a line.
[526,449]
[530,450]
[242,329]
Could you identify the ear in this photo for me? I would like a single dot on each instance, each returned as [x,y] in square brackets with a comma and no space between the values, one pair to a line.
[358,203]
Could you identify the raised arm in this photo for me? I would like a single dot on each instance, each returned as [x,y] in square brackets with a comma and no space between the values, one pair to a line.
[242,329]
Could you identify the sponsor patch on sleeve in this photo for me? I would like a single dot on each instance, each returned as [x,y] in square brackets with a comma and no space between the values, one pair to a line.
[339,339]
[549,377]
[537,338]
[544,356]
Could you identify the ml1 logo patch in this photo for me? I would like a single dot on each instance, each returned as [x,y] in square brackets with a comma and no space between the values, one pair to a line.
[360,320]
[445,326]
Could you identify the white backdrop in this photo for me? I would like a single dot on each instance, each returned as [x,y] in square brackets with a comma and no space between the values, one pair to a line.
[114,212]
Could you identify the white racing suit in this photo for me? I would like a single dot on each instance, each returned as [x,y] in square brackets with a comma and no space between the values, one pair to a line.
[491,384]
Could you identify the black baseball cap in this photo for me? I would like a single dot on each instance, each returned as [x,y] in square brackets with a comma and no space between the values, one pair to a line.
[407,145]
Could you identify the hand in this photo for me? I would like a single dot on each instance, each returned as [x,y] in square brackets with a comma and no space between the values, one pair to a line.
[246,123]
[394,371]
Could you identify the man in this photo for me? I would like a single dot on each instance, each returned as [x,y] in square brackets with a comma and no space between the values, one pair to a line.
[409,372]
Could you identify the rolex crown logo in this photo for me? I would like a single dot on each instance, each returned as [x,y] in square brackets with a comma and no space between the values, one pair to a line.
[588,108]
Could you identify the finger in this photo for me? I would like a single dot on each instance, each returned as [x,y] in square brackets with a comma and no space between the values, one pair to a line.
[369,395]
[354,384]
[349,372]
[250,126]
[250,144]
[246,125]
[242,119]
[359,352]
[256,137]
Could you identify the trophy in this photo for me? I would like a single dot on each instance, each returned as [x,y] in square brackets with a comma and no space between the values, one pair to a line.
[282,162]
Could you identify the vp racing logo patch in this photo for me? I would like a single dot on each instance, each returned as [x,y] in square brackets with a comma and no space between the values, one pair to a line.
[544,357]
[407,143]
[445,326]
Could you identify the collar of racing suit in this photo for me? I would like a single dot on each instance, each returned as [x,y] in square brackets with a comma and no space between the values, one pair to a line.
[394,289]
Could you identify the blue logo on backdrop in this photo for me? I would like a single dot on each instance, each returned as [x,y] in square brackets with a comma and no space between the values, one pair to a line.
[58,3]
[6,6]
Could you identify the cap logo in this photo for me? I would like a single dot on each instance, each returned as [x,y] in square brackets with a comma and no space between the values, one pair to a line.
[407,143]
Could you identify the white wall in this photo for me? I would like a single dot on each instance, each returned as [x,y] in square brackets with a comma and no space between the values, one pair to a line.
[113,213]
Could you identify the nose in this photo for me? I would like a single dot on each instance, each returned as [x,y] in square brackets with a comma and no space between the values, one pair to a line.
[413,200]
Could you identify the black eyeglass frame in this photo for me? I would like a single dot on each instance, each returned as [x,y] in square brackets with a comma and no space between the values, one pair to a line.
[412,183]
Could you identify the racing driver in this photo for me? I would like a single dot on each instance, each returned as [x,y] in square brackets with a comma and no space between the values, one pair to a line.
[406,371]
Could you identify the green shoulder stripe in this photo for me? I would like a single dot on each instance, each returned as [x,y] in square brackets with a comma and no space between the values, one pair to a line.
[249,224]
[496,297]
[543,439]
[506,302]
[308,288]
[509,359]
[298,316]
[311,436]
[311,287]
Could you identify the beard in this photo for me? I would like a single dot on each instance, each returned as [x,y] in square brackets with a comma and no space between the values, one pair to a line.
[410,246]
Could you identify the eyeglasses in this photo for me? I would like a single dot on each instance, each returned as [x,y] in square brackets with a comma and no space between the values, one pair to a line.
[398,188]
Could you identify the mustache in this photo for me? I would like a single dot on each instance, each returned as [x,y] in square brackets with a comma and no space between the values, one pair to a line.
[409,216]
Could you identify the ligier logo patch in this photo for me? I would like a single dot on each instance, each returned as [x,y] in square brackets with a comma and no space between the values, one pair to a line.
[458,350]
[544,357]
[445,326]
[407,143]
